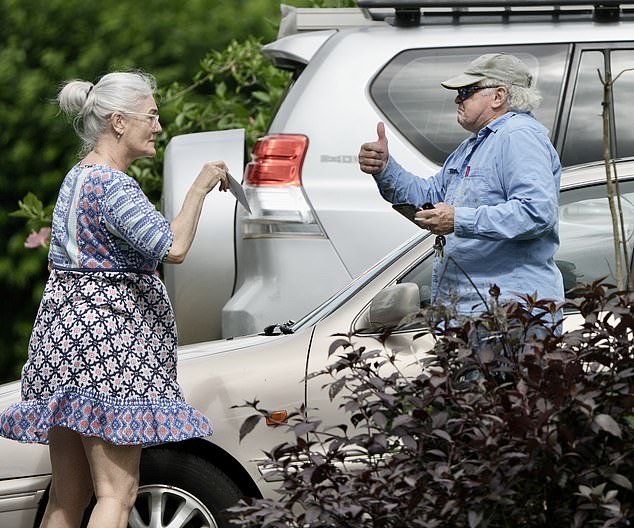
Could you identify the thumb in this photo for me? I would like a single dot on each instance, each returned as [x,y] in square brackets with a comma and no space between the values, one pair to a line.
[380,132]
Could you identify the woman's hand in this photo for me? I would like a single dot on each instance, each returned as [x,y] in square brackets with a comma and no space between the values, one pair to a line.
[212,173]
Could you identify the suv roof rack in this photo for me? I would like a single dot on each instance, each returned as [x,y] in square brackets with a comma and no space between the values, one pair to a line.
[407,13]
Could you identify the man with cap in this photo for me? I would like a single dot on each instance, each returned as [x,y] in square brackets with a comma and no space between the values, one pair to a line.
[496,197]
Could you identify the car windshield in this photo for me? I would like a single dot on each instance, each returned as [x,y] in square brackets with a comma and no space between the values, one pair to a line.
[339,298]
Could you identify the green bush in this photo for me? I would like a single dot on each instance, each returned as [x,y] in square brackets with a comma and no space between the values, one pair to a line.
[498,429]
[45,43]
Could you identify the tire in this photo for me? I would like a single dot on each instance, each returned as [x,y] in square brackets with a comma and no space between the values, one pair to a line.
[188,491]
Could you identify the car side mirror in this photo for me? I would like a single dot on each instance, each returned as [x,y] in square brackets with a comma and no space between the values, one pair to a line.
[393,303]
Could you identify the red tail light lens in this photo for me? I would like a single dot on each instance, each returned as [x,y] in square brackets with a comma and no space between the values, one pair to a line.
[277,159]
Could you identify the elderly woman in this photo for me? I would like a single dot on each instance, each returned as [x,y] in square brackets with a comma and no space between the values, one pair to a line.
[100,380]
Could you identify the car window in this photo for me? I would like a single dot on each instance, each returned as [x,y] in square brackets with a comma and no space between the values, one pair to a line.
[586,251]
[421,276]
[408,91]
[584,141]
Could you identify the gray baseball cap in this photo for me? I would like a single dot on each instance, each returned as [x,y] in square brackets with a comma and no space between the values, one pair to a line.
[499,66]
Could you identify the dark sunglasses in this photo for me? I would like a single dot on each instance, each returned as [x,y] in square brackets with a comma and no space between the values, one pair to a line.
[467,91]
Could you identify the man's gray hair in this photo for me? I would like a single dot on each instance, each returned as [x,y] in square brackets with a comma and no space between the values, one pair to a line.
[519,99]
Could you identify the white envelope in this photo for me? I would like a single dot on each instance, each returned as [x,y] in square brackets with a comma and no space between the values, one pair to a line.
[236,189]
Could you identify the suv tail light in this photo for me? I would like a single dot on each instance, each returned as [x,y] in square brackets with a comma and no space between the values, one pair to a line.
[273,184]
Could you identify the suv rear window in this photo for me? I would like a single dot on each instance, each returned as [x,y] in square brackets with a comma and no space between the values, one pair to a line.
[408,91]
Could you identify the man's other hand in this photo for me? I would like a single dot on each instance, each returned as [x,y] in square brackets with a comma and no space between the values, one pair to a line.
[373,156]
[438,220]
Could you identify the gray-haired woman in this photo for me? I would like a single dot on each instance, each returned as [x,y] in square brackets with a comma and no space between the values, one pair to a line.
[100,380]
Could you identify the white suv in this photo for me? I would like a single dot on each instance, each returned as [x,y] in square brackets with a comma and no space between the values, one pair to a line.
[316,220]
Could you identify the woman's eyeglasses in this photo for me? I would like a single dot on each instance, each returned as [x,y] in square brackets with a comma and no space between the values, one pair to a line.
[155,117]
[467,91]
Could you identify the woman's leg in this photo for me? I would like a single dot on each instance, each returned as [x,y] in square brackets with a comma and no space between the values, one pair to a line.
[115,480]
[71,486]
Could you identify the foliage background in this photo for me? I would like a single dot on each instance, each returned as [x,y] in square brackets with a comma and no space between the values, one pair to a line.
[205,53]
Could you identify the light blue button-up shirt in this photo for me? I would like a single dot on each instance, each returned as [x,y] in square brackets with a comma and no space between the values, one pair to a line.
[504,186]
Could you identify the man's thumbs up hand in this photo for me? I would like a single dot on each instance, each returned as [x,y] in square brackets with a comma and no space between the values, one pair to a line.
[373,156]
[380,132]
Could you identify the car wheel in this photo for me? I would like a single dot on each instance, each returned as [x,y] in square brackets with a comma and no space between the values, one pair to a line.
[181,490]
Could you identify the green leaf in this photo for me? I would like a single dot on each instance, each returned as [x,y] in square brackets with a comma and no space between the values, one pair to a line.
[608,424]
[249,424]
[622,481]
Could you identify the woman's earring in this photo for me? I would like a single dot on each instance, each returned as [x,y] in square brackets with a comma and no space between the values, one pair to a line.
[119,136]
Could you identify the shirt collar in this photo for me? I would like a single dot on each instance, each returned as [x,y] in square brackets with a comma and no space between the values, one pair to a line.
[498,122]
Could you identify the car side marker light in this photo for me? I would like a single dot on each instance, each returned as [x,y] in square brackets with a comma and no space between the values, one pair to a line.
[276,418]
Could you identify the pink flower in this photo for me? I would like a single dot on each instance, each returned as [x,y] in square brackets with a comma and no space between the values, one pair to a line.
[35,240]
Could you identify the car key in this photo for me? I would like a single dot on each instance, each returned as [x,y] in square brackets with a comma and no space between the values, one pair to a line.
[440,241]
[439,244]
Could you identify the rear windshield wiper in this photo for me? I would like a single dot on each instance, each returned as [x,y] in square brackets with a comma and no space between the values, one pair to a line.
[284,328]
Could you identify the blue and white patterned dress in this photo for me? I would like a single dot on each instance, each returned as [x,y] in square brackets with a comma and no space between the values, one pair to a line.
[102,354]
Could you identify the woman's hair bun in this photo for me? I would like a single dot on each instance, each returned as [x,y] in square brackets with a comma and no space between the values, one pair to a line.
[73,96]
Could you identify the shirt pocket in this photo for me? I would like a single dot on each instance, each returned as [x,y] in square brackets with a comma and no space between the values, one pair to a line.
[473,190]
